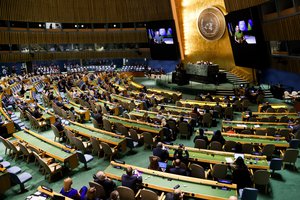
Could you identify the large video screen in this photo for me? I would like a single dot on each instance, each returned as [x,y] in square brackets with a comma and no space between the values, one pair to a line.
[242,31]
[246,37]
[163,40]
[161,35]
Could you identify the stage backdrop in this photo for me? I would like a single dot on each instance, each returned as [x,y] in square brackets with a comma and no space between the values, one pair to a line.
[196,47]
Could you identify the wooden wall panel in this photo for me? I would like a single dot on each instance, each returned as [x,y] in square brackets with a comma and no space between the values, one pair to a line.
[23,57]
[282,29]
[100,11]
[233,5]
[73,37]
[290,64]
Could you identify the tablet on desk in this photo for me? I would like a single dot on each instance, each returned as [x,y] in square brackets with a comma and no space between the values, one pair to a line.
[162,165]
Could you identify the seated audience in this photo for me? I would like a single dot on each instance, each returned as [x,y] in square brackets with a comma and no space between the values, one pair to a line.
[70,192]
[154,164]
[161,152]
[176,195]
[59,125]
[36,113]
[218,137]
[131,180]
[182,154]
[91,194]
[241,175]
[98,117]
[114,195]
[177,169]
[201,136]
[106,182]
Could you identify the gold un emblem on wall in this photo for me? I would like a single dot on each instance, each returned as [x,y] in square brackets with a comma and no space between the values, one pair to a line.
[211,24]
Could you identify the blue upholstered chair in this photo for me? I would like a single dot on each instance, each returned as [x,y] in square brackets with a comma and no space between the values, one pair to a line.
[275,164]
[84,158]
[21,179]
[294,143]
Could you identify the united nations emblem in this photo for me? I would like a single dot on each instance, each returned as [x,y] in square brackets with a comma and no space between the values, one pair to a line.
[211,23]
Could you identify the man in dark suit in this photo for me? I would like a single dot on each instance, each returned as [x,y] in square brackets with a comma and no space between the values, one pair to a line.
[177,170]
[108,184]
[98,118]
[176,195]
[160,152]
[36,113]
[131,180]
[58,125]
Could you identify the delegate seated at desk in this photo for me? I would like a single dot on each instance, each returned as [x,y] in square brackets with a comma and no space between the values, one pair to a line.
[131,180]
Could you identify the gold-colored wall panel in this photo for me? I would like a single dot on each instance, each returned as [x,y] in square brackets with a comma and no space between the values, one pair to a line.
[195,47]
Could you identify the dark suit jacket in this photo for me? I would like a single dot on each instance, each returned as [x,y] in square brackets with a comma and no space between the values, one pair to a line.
[59,126]
[201,137]
[108,185]
[163,154]
[131,181]
[36,114]
[178,171]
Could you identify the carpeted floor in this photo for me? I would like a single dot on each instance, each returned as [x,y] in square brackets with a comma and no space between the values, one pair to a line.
[282,186]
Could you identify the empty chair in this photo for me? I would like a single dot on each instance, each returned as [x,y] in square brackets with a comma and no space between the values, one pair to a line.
[261,132]
[20,179]
[261,177]
[215,145]
[272,118]
[126,193]
[219,171]
[290,156]
[70,137]
[271,131]
[7,146]
[135,136]
[268,150]
[197,171]
[249,194]
[57,134]
[50,169]
[247,148]
[284,119]
[25,151]
[14,170]
[200,144]
[275,164]
[184,129]
[148,140]
[100,192]
[284,133]
[96,147]
[96,124]
[146,194]
[246,132]
[294,143]
[5,164]
[229,146]
[15,149]
[207,120]
[108,151]
[80,145]
[107,125]
[84,158]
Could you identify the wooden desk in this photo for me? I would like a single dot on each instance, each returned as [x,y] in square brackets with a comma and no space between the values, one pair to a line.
[137,125]
[164,92]
[165,182]
[241,125]
[51,194]
[101,135]
[5,183]
[49,147]
[219,157]
[201,104]
[258,140]
[274,106]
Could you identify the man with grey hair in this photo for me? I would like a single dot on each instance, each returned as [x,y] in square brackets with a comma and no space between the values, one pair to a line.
[107,183]
[161,152]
